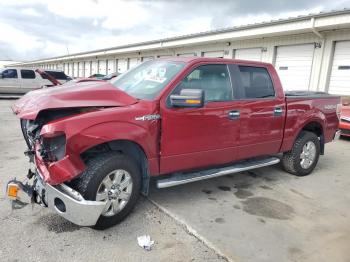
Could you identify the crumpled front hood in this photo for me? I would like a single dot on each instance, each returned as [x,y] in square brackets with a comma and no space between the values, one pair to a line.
[86,94]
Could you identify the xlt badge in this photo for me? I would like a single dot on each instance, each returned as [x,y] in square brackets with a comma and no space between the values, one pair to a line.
[147,117]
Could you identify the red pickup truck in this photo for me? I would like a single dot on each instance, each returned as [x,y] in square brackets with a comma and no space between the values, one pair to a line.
[96,145]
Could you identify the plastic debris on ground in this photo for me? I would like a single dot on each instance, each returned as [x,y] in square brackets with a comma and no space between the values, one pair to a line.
[145,242]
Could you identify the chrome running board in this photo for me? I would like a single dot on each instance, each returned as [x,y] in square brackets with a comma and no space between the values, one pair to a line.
[184,178]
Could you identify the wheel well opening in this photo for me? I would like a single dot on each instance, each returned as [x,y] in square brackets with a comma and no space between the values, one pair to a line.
[317,129]
[314,127]
[126,147]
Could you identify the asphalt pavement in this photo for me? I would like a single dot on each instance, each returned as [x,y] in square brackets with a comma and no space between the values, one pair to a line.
[32,233]
[260,215]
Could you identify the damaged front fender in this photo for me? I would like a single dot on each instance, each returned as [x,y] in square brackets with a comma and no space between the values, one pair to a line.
[60,171]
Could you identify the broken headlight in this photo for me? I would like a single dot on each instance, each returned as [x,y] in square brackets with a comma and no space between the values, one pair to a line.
[53,148]
[30,130]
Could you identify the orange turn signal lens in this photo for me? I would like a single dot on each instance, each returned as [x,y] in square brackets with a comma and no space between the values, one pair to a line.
[193,101]
[12,191]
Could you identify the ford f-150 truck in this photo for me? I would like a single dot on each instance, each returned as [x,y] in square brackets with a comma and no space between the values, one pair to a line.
[96,145]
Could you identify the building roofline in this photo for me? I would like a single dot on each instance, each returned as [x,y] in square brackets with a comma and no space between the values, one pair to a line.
[204,33]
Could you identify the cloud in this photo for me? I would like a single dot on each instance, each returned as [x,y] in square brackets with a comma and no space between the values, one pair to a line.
[113,13]
[34,29]
[30,12]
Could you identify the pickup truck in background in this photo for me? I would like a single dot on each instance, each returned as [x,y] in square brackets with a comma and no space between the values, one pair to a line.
[23,80]
[177,120]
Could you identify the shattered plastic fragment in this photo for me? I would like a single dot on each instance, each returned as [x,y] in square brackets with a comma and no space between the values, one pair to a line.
[145,242]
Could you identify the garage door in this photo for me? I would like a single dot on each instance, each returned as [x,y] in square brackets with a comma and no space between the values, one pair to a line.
[65,68]
[293,64]
[133,62]
[70,69]
[110,66]
[252,54]
[94,67]
[340,75]
[75,69]
[122,65]
[164,56]
[102,66]
[187,54]
[81,69]
[87,68]
[215,54]
[147,58]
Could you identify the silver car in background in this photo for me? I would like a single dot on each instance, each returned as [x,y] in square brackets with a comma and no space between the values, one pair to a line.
[22,80]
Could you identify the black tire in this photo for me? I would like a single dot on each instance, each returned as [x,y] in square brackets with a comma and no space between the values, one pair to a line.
[97,169]
[291,159]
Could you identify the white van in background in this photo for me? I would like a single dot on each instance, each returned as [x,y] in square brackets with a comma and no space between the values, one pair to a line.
[23,80]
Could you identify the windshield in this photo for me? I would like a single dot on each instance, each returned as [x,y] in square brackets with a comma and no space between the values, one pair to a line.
[148,79]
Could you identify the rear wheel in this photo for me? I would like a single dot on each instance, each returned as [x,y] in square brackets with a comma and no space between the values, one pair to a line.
[303,157]
[112,178]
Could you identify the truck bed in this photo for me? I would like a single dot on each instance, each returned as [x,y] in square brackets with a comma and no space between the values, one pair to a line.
[308,94]
[316,109]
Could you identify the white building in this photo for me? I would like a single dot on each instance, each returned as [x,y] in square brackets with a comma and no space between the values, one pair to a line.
[4,63]
[309,52]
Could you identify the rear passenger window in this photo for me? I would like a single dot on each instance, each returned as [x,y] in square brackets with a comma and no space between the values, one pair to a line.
[256,82]
[56,74]
[214,80]
[27,74]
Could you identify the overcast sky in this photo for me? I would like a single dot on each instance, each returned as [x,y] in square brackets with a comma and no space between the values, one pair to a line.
[33,29]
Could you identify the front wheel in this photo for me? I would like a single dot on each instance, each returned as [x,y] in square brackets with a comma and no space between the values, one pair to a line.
[303,157]
[115,179]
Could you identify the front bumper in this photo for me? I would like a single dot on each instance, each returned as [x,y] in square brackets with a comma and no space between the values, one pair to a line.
[337,135]
[345,128]
[66,202]
[72,206]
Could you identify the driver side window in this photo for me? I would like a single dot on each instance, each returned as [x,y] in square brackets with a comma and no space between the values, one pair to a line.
[214,80]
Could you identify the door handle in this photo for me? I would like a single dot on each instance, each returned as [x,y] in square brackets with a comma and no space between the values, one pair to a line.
[234,114]
[277,111]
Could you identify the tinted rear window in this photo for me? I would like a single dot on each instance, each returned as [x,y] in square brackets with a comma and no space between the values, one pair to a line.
[256,82]
[27,74]
[57,75]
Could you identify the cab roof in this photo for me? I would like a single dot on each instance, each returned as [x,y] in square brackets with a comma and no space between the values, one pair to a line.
[193,59]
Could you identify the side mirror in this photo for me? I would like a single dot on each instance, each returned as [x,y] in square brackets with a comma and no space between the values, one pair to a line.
[188,98]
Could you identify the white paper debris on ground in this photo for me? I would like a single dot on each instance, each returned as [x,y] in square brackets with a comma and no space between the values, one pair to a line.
[145,242]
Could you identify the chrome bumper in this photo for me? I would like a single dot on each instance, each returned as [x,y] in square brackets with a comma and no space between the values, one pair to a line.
[75,209]
[69,203]
[337,135]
